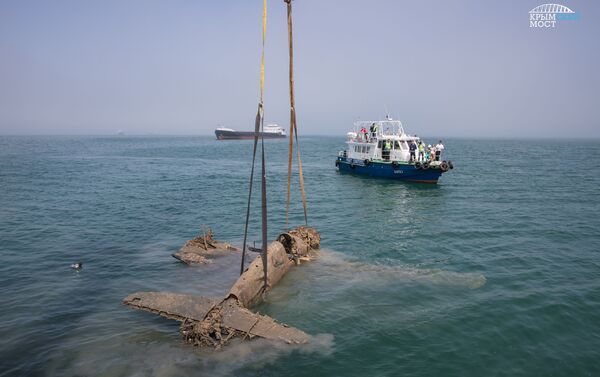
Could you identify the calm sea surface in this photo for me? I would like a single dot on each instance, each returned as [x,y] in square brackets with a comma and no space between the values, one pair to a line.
[493,272]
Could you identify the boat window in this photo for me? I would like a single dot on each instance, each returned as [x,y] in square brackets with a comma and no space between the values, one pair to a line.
[396,145]
[380,144]
[368,149]
[403,146]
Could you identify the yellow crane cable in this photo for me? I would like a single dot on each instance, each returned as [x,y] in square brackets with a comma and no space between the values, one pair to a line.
[262,58]
[258,124]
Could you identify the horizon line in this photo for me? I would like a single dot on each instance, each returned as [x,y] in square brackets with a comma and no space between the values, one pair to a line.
[474,137]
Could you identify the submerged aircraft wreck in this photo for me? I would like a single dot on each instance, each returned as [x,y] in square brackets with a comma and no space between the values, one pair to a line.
[212,322]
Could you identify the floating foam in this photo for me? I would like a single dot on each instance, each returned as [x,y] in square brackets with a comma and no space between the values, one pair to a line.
[338,267]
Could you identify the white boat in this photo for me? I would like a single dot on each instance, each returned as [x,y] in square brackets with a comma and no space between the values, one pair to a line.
[382,150]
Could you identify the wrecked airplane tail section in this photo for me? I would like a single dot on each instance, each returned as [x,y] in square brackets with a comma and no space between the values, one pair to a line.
[203,249]
[230,320]
[213,323]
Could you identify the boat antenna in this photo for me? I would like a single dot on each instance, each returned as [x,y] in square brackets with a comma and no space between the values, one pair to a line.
[387,113]
[293,125]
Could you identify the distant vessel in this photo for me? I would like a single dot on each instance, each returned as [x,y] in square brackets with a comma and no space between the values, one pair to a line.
[270,131]
[384,151]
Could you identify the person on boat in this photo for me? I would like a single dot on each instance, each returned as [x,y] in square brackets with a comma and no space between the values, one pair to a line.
[421,151]
[373,130]
[387,147]
[363,132]
[428,153]
[439,148]
[412,148]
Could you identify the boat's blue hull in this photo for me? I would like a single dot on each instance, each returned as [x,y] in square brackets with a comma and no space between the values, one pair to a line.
[399,171]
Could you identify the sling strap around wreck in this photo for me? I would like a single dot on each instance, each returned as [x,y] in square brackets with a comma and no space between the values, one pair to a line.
[213,322]
[293,125]
[259,125]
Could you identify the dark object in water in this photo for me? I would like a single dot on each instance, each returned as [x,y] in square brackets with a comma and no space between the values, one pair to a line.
[77,266]
[203,248]
[213,322]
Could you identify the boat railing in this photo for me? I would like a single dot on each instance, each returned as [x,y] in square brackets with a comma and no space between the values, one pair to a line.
[384,127]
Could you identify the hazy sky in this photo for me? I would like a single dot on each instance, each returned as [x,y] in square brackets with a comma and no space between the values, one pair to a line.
[447,68]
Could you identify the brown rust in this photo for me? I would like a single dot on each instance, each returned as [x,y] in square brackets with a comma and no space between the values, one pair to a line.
[248,289]
[202,249]
[209,322]
[309,235]
[172,305]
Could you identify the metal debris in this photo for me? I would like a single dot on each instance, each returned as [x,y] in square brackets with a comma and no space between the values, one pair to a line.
[202,249]
[209,322]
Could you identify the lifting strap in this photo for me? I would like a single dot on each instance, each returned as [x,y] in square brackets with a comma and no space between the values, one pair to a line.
[293,126]
[257,123]
[258,127]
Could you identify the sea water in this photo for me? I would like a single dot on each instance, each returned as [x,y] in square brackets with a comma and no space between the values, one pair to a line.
[494,271]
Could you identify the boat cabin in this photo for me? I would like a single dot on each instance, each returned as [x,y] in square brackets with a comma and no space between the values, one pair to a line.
[383,140]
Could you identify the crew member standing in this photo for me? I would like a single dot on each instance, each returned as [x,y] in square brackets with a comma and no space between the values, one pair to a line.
[387,147]
[439,148]
[421,151]
[374,129]
[363,132]
[412,148]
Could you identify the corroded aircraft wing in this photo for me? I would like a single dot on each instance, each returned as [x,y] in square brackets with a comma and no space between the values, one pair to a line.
[181,307]
[172,305]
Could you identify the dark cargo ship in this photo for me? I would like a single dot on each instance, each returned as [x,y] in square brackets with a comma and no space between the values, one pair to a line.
[270,131]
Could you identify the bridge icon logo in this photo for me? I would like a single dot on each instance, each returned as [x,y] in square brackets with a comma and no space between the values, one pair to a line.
[547,15]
